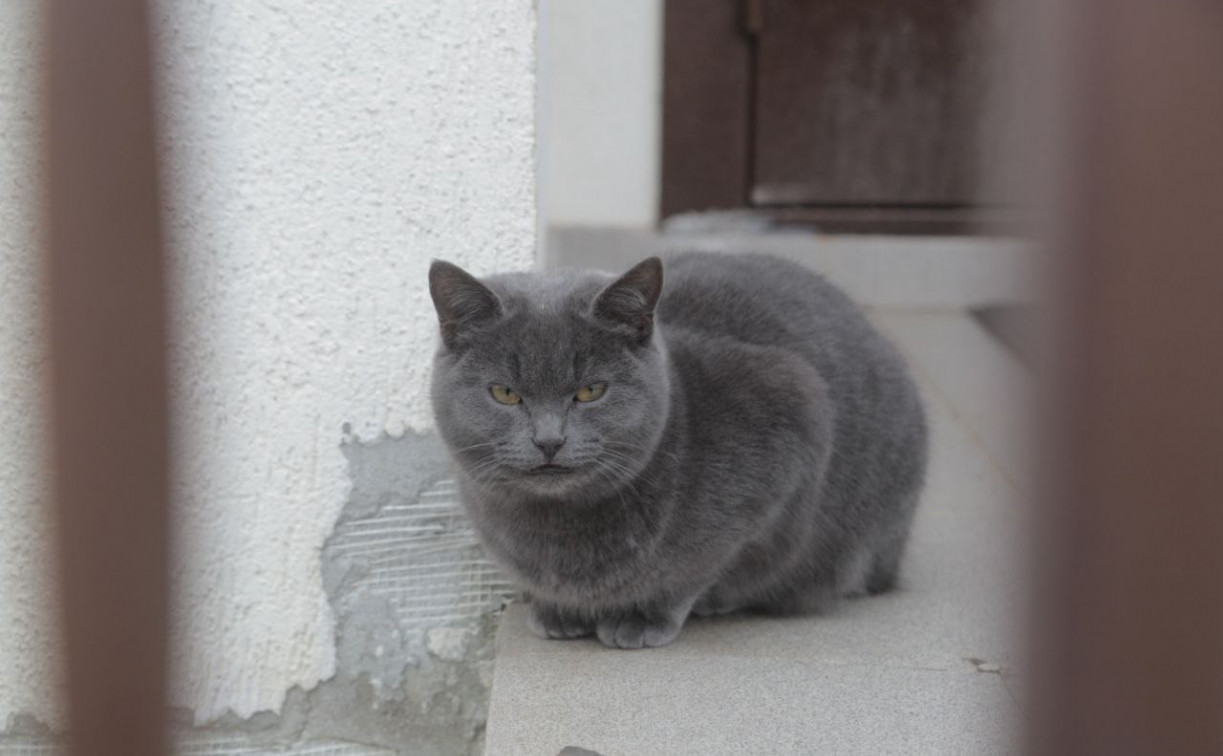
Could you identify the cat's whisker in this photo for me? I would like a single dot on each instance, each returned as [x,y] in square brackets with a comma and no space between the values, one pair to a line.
[626,457]
[475,446]
[611,481]
[615,464]
[620,475]
[638,474]
[625,443]
[481,471]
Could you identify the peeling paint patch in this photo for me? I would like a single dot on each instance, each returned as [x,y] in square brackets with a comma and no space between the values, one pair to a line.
[420,557]
[231,747]
[448,643]
[404,561]
[211,746]
[416,605]
[27,747]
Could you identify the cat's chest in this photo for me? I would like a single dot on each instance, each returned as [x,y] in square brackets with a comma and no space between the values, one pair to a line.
[597,556]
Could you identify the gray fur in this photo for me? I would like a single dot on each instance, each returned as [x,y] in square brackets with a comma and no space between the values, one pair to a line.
[759,446]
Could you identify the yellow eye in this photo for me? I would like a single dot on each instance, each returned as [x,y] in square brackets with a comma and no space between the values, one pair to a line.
[505,395]
[590,393]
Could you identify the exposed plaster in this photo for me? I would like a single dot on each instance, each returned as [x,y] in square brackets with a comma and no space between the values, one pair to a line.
[416,606]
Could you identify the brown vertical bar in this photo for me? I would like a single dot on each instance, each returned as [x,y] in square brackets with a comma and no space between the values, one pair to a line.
[1131,656]
[108,373]
[706,108]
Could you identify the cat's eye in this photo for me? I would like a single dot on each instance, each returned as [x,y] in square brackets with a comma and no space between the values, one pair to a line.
[590,393]
[504,394]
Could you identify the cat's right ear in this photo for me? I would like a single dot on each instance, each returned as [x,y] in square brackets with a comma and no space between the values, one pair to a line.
[461,301]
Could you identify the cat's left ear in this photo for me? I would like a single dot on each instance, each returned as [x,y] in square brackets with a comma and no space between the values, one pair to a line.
[628,302]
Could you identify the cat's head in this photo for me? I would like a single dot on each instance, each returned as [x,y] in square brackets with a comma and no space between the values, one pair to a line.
[551,384]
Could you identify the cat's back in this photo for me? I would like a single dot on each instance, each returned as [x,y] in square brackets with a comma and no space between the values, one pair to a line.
[738,327]
[711,302]
[757,299]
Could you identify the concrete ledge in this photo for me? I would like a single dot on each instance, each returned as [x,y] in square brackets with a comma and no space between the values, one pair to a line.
[877,271]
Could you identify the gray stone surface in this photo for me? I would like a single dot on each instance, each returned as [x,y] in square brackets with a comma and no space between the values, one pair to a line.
[923,670]
[879,271]
[643,703]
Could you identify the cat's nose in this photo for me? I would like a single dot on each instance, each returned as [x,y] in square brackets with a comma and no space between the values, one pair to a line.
[549,445]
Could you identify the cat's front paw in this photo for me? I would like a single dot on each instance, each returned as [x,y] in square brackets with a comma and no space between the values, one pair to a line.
[635,629]
[552,622]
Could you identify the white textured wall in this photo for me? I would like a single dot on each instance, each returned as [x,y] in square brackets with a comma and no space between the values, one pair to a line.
[600,111]
[27,652]
[321,153]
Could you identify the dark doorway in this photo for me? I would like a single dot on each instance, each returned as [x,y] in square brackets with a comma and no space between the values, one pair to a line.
[862,113]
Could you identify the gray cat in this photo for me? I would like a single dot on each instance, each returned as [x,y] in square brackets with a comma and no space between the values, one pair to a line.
[740,438]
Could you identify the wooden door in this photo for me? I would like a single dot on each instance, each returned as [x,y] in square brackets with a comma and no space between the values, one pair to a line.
[867,102]
[862,113]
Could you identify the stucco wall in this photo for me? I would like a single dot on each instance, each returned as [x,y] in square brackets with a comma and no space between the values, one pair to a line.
[27,658]
[319,155]
[600,111]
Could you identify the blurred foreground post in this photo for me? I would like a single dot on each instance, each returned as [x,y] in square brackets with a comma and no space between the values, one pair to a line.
[1130,657]
[108,373]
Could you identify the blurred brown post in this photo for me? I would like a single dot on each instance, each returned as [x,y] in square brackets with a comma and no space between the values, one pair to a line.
[1130,654]
[108,373]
